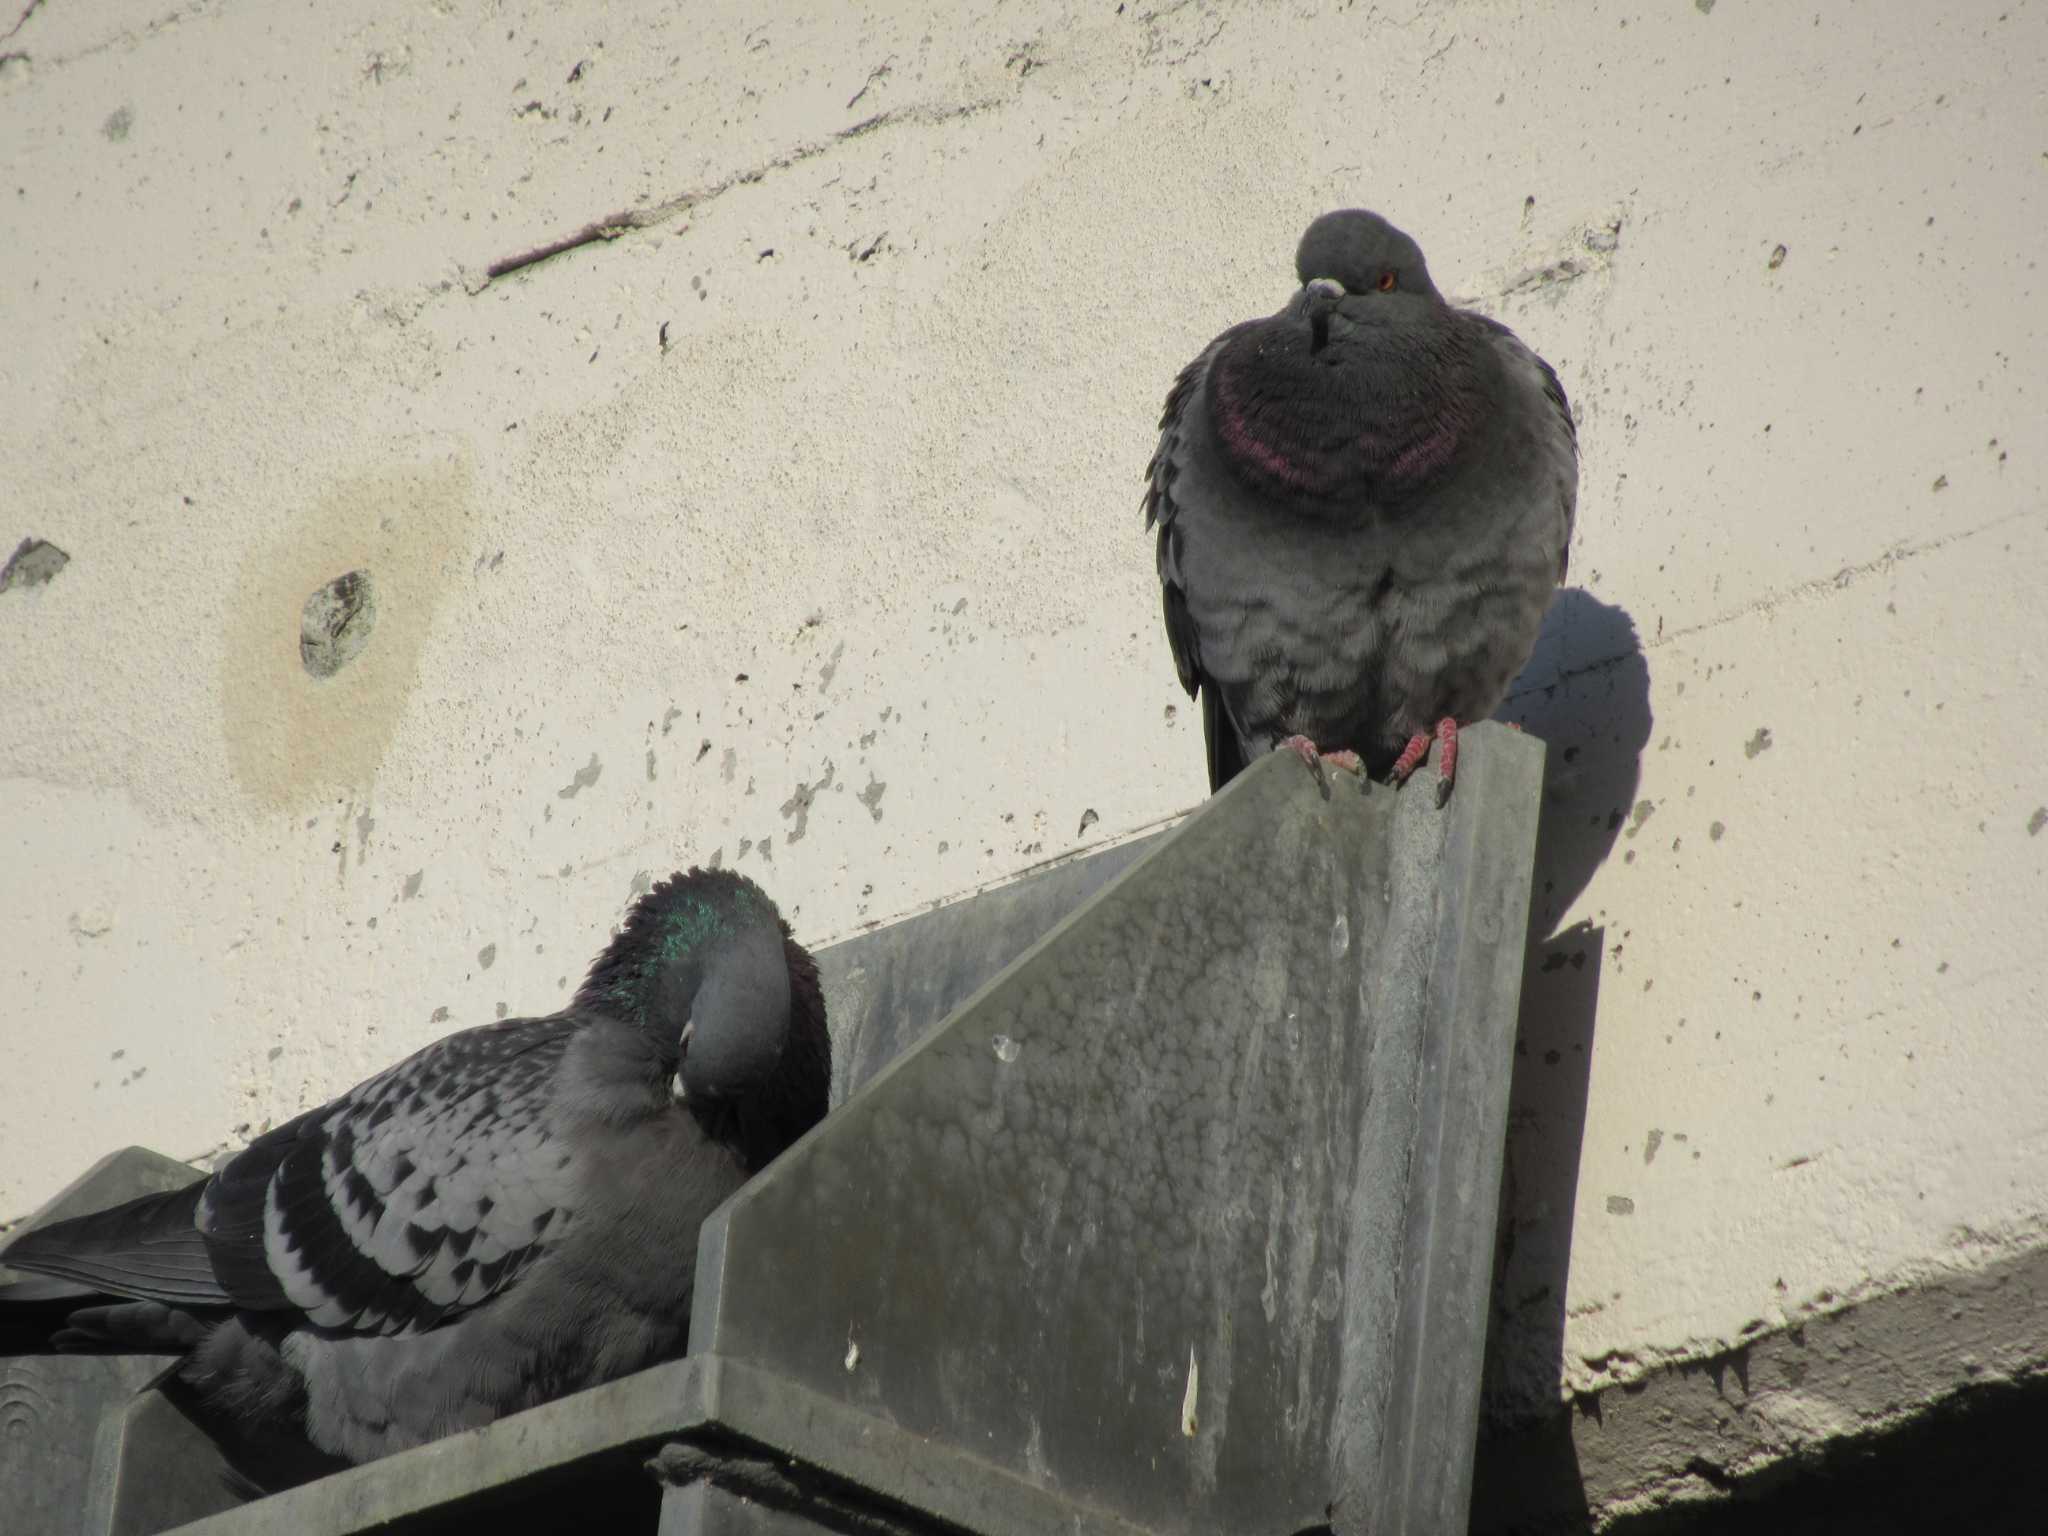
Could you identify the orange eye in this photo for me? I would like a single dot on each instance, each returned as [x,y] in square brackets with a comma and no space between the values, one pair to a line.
[1386,284]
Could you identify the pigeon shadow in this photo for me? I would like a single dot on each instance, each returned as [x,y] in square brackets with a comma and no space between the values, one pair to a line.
[1586,693]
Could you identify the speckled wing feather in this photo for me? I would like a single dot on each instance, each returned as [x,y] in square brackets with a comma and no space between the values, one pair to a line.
[419,1193]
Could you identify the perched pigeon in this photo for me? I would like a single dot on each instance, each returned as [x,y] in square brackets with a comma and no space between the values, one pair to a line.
[507,1216]
[1364,503]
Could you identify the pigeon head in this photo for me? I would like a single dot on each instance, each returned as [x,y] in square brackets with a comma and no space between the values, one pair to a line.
[1363,255]
[700,965]
[706,966]
[1361,389]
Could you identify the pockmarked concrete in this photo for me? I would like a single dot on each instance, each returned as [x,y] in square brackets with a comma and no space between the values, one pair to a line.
[738,423]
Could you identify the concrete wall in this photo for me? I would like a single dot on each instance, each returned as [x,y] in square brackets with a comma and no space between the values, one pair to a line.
[793,519]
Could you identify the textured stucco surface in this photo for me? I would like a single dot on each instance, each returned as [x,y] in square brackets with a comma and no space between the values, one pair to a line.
[855,404]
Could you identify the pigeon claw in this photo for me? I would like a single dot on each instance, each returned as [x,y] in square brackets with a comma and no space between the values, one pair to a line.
[1412,756]
[1310,754]
[1305,749]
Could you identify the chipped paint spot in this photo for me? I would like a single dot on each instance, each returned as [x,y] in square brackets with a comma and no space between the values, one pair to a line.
[586,776]
[91,925]
[1187,1398]
[33,564]
[335,623]
[798,805]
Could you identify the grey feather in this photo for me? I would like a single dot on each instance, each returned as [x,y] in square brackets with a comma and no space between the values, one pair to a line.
[506,1216]
[1363,505]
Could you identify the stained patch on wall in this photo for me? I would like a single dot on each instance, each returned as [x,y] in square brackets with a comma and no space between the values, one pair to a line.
[365,563]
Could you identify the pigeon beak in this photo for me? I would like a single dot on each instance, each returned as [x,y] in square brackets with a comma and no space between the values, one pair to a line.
[1319,296]
[675,1084]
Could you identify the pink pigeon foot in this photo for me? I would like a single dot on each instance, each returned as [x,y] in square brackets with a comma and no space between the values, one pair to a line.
[1417,749]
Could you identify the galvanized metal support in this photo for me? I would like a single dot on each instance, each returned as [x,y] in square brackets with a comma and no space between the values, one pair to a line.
[1182,1219]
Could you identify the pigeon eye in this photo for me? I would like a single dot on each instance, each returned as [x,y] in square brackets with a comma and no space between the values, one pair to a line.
[1386,282]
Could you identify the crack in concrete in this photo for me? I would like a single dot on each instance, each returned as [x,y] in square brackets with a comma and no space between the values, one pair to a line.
[1770,602]
[22,20]
[127,35]
[1848,575]
[879,72]
[605,230]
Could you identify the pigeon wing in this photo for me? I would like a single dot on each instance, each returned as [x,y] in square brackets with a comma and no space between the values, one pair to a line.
[1559,433]
[1219,733]
[417,1194]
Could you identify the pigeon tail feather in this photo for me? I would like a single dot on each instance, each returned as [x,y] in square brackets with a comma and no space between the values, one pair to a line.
[1226,752]
[148,1249]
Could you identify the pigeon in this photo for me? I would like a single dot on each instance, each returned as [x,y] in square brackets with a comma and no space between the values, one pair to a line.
[1363,505]
[507,1216]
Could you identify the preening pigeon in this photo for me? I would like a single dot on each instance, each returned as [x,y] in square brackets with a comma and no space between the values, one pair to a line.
[507,1216]
[1364,503]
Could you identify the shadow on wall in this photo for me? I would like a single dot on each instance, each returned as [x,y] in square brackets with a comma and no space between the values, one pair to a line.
[1586,693]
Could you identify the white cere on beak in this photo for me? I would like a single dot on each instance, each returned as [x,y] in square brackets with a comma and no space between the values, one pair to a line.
[1328,285]
[676,1090]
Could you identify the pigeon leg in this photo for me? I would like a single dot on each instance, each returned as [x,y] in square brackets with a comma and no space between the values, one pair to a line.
[1447,760]
[1410,759]
[1417,749]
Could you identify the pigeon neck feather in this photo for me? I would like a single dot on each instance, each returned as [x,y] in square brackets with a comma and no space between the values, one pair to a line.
[1376,412]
